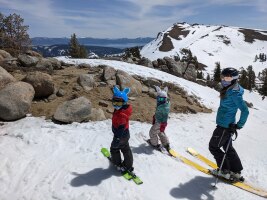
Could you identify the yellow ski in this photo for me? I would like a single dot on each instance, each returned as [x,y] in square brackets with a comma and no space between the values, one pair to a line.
[202,158]
[241,185]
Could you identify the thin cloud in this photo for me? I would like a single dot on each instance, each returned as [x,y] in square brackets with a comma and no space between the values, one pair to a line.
[124,18]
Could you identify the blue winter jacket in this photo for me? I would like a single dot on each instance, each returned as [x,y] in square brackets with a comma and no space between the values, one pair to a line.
[228,108]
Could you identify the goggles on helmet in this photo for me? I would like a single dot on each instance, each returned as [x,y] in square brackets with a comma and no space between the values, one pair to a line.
[118,102]
[161,99]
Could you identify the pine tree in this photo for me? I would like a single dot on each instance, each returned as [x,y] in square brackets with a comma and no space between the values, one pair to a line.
[243,81]
[83,52]
[217,72]
[264,87]
[132,52]
[251,77]
[76,50]
[208,77]
[200,75]
[256,58]
[263,78]
[13,34]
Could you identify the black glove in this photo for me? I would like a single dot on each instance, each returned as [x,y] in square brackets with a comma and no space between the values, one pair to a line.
[232,128]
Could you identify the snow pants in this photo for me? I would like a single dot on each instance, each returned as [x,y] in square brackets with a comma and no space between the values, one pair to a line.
[118,146]
[220,138]
[155,135]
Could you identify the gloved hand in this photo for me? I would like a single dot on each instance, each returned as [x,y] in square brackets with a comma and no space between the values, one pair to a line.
[153,120]
[163,125]
[233,127]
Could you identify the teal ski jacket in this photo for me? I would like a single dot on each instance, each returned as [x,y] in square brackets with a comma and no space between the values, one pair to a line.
[229,105]
[162,112]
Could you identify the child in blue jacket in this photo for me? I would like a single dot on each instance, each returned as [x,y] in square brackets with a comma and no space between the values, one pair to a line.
[231,100]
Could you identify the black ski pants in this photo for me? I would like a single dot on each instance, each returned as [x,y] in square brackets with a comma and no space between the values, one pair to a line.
[220,138]
[119,145]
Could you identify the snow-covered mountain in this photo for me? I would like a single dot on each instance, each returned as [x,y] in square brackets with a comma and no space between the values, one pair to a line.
[231,46]
[46,161]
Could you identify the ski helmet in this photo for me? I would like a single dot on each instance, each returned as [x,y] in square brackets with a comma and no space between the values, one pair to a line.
[120,98]
[230,72]
[161,95]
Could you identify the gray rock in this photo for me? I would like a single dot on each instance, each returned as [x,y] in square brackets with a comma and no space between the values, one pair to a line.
[155,64]
[97,115]
[103,103]
[4,55]
[109,73]
[190,100]
[125,80]
[145,62]
[5,78]
[41,82]
[56,64]
[76,110]
[151,82]
[44,63]
[52,97]
[60,92]
[27,61]
[15,100]
[145,89]
[87,81]
[111,83]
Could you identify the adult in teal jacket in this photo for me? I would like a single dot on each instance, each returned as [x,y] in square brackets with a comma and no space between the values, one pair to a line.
[231,100]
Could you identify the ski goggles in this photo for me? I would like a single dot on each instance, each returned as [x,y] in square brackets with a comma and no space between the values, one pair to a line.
[118,102]
[161,99]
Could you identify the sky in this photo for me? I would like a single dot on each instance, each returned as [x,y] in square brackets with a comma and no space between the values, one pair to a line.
[130,18]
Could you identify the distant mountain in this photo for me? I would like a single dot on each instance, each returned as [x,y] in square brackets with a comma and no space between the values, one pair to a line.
[62,50]
[118,43]
[231,46]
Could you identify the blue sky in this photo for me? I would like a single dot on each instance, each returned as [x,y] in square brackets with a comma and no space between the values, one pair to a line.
[130,18]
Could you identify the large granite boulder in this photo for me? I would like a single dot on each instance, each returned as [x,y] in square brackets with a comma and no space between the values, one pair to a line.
[76,110]
[41,82]
[5,78]
[125,80]
[15,100]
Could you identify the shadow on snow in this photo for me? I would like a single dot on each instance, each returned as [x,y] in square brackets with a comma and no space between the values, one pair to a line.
[93,177]
[197,188]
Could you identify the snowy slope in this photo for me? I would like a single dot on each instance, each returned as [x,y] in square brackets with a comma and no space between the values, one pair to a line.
[212,44]
[42,160]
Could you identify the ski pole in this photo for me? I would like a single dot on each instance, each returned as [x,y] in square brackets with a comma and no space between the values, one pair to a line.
[224,156]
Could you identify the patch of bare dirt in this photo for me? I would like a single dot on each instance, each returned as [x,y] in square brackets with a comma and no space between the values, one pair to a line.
[143,106]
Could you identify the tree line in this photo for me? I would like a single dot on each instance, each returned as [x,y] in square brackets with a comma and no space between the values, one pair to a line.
[261,57]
